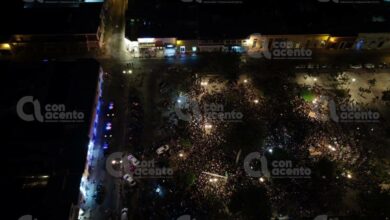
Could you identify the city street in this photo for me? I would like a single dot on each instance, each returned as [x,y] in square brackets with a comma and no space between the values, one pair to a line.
[129,79]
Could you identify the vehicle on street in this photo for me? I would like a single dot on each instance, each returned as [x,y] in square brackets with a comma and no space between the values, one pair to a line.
[382,65]
[162,149]
[110,110]
[124,214]
[133,160]
[128,178]
[355,66]
[369,66]
[303,66]
[108,126]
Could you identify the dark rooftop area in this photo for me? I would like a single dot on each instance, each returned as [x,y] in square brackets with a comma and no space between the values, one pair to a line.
[36,149]
[16,19]
[162,18]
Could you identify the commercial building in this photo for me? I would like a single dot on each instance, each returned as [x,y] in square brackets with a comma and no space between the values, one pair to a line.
[168,47]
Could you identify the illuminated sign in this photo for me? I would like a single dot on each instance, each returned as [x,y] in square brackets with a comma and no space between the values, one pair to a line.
[146,40]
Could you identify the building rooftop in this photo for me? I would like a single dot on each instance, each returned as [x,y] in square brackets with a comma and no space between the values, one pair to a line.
[191,20]
[18,19]
[45,161]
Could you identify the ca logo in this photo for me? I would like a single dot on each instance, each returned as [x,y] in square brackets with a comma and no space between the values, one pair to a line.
[192,105]
[37,109]
[264,165]
[258,47]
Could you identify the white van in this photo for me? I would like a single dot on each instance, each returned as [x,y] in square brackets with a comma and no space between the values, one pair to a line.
[124,214]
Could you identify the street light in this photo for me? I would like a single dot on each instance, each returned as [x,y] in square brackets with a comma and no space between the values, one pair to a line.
[181,155]
[245,81]
[204,83]
[261,179]
[256,101]
[331,148]
[213,180]
[208,126]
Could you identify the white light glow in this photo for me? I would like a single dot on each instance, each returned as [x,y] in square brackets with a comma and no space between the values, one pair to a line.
[146,40]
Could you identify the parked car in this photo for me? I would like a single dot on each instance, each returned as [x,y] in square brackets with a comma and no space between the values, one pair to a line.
[355,66]
[382,65]
[369,66]
[110,105]
[110,109]
[124,214]
[133,160]
[128,178]
[303,66]
[162,149]
[108,126]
